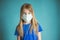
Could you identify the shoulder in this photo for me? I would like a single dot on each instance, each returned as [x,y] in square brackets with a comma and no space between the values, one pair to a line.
[39,27]
[16,30]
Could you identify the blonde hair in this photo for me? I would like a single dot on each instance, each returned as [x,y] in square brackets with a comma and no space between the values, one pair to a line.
[33,21]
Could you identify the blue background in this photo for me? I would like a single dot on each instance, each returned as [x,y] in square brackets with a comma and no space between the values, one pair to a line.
[46,12]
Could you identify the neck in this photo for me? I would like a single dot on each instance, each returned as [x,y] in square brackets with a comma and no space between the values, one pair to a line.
[26,22]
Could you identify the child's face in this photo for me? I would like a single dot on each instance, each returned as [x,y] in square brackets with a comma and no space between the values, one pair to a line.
[27,16]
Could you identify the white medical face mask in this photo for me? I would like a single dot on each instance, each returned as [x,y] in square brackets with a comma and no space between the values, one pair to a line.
[27,18]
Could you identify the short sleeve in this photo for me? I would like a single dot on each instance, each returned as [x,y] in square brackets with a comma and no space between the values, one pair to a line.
[39,28]
[16,32]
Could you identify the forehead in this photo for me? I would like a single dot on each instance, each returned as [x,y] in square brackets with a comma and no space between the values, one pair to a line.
[26,10]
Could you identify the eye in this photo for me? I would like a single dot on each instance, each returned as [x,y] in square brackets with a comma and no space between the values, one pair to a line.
[24,13]
[28,13]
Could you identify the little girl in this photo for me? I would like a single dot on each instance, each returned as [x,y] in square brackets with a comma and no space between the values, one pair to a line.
[28,27]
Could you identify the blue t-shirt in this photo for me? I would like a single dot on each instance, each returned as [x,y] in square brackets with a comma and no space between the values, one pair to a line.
[28,35]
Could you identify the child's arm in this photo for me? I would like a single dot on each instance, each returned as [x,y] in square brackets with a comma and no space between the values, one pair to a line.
[39,32]
[39,36]
[18,37]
